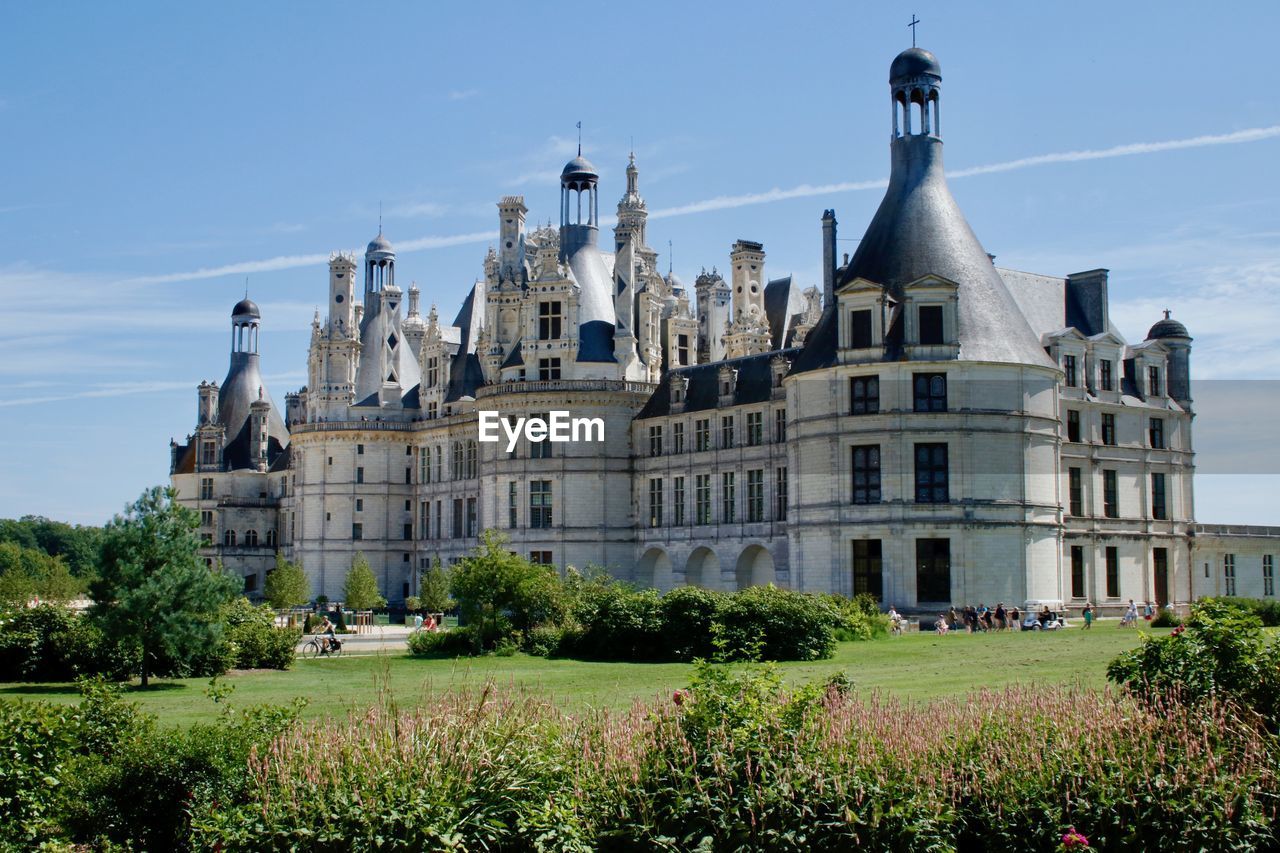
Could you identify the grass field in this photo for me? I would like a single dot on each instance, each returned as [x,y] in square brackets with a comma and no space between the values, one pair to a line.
[915,666]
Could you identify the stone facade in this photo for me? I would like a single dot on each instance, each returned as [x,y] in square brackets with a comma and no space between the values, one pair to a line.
[924,426]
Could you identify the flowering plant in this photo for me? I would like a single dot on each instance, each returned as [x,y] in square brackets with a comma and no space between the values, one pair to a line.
[1072,840]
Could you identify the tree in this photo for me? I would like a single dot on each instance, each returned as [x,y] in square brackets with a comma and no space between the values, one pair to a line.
[155,592]
[361,589]
[434,591]
[497,590]
[29,573]
[286,585]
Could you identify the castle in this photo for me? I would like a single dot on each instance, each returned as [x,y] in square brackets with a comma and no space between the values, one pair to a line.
[925,427]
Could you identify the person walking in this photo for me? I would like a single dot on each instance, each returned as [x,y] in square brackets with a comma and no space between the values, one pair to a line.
[1088,615]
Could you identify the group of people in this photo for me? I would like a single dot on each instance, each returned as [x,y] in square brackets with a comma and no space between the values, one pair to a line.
[1130,617]
[979,619]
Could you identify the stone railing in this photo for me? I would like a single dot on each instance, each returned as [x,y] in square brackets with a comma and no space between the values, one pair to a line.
[322,426]
[1252,530]
[539,386]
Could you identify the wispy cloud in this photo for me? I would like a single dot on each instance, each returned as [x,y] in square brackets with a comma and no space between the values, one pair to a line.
[463,94]
[412,209]
[128,389]
[563,146]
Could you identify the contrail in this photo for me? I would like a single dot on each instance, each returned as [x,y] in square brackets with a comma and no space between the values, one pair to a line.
[1255,134]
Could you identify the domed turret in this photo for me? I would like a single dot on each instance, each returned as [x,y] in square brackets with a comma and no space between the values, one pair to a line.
[379,264]
[579,169]
[246,308]
[912,63]
[1167,328]
[380,245]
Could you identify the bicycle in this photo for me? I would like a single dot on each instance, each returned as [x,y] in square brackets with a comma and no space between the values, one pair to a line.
[319,647]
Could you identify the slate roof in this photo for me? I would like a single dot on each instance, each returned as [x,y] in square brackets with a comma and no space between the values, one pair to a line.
[754,385]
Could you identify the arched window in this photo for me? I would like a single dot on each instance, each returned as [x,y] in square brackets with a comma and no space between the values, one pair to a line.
[229,538]
[251,538]
[271,538]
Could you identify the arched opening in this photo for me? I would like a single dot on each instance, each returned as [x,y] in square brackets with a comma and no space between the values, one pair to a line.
[654,570]
[703,569]
[918,111]
[936,118]
[251,538]
[755,567]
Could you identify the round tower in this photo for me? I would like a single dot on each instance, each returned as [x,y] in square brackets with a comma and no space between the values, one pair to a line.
[379,264]
[245,319]
[1174,335]
[578,205]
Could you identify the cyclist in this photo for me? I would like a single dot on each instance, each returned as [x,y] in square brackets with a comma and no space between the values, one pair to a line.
[326,630]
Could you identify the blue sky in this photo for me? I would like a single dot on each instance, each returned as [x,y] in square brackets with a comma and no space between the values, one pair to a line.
[154,155]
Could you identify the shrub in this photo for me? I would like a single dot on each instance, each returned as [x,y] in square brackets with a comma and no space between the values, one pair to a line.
[1268,612]
[51,643]
[1221,654]
[778,624]
[1165,619]
[36,743]
[544,641]
[689,614]
[255,641]
[497,590]
[451,643]
[618,623]
[859,618]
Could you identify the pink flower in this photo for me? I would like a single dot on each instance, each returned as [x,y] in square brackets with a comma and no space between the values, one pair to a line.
[1073,840]
[1178,630]
[678,697]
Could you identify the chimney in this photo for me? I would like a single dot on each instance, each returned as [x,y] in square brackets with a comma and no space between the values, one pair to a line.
[828,258]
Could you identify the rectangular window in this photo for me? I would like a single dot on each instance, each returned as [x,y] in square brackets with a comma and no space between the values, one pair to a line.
[1155,432]
[933,570]
[408,476]
[458,461]
[1104,374]
[439,519]
[1109,430]
[408,531]
[433,372]
[548,369]
[868,565]
[473,519]
[540,449]
[540,503]
[864,395]
[755,428]
[780,425]
[550,319]
[359,450]
[1268,574]
[424,465]
[866,474]
[439,463]
[1110,495]
[1077,571]
[359,504]
[541,558]
[1075,492]
[931,324]
[931,392]
[457,518]
[1113,572]
[682,350]
[206,488]
[655,440]
[780,495]
[726,431]
[1069,370]
[513,503]
[728,498]
[1153,381]
[359,475]
[1229,574]
[655,502]
[702,499]
[932,486]
[755,495]
[206,518]
[702,434]
[859,329]
[357,530]
[677,437]
[424,520]
[1159,505]
[1073,425]
[208,453]
[677,502]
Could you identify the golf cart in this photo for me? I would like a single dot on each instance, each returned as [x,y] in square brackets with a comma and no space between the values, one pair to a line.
[1052,622]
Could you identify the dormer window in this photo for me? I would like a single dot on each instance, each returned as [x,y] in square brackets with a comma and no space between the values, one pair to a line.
[931,325]
[1069,369]
[1105,381]
[860,329]
[1153,381]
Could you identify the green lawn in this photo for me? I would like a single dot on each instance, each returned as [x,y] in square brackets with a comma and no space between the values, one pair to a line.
[916,666]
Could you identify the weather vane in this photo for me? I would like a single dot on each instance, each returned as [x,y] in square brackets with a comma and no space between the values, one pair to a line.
[579,139]
[912,25]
